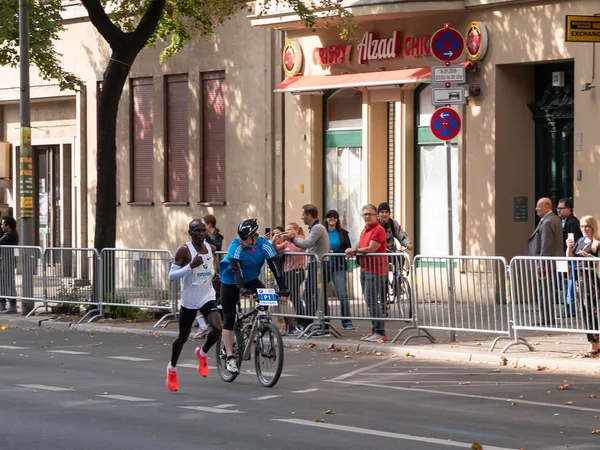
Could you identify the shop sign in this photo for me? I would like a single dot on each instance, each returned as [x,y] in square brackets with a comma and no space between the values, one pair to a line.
[582,29]
[334,54]
[373,48]
[417,46]
[26,174]
[292,58]
[476,41]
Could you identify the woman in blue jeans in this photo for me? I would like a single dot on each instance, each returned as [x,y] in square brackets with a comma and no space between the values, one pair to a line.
[335,270]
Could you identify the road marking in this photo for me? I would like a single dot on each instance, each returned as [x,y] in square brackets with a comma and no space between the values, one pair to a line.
[130,358]
[212,409]
[68,352]
[387,434]
[13,347]
[195,366]
[43,387]
[226,405]
[127,398]
[305,391]
[481,397]
[364,369]
[266,397]
[252,372]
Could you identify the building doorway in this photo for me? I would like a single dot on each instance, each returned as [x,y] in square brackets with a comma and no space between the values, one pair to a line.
[552,114]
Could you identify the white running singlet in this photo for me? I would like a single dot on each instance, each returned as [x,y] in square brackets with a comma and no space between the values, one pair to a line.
[196,285]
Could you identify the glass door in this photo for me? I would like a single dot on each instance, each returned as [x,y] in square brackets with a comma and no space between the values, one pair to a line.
[47,185]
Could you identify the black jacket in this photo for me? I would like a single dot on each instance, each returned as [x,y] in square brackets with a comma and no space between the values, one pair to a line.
[338,262]
[571,225]
[10,238]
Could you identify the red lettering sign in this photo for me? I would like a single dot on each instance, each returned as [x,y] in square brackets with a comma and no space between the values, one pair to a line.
[335,54]
[417,46]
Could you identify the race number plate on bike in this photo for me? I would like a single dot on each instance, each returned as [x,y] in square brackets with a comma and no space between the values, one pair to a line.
[267,297]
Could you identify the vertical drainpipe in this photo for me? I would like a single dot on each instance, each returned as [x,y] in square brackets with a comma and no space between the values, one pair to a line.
[277,129]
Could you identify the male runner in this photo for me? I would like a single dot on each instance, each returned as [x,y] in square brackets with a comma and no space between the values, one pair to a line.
[195,265]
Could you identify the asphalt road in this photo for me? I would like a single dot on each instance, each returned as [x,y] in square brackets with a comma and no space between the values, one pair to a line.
[73,390]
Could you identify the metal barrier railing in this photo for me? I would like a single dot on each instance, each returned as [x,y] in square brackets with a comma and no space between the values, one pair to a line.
[372,287]
[138,278]
[21,273]
[461,293]
[71,280]
[554,294]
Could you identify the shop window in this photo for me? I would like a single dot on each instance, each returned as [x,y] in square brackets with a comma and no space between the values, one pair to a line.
[432,183]
[142,154]
[344,190]
[177,152]
[213,137]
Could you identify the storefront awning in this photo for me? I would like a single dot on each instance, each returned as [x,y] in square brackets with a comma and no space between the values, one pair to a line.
[313,84]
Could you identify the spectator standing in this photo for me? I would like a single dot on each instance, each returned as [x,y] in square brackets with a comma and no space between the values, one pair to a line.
[10,236]
[546,240]
[587,279]
[570,223]
[373,271]
[316,242]
[213,234]
[339,241]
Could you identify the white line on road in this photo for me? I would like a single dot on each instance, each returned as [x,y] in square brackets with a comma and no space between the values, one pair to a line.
[68,352]
[129,358]
[266,397]
[252,372]
[387,434]
[13,347]
[225,405]
[305,391]
[43,387]
[195,366]
[364,369]
[212,409]
[126,398]
[481,397]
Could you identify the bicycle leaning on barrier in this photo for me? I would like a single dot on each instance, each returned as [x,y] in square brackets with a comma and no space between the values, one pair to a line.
[268,348]
[399,290]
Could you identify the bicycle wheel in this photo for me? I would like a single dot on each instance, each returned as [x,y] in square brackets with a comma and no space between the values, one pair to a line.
[405,295]
[238,349]
[268,355]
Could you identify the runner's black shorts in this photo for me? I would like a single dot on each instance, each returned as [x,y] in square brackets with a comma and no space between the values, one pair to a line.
[187,315]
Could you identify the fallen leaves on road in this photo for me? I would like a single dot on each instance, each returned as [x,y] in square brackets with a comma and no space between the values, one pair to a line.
[592,396]
[331,346]
[563,387]
[464,382]
[503,361]
[568,403]
[348,356]
[329,411]
[378,353]
[541,368]
[310,345]
[318,419]
[596,432]
[476,446]
[513,404]
[408,355]
[4,327]
[337,349]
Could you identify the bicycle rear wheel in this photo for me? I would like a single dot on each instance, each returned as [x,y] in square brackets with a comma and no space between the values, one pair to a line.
[268,355]
[238,344]
[405,296]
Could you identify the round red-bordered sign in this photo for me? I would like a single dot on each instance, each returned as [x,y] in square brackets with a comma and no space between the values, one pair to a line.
[291,58]
[447,44]
[445,124]
[476,41]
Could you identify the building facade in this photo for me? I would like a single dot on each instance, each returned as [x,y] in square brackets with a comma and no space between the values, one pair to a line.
[357,119]
[196,135]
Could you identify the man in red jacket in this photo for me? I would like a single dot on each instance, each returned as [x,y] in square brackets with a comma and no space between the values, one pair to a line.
[373,271]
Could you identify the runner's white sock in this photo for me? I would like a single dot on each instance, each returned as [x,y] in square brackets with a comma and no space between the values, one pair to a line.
[171,367]
[202,352]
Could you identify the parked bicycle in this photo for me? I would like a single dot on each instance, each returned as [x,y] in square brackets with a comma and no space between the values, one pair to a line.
[398,289]
[268,348]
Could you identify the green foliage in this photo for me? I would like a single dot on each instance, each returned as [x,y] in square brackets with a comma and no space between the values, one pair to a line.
[45,24]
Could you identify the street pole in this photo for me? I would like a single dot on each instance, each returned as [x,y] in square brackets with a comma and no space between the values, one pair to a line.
[25,159]
[451,294]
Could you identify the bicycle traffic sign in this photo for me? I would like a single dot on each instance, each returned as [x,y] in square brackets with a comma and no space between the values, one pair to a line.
[445,124]
[447,44]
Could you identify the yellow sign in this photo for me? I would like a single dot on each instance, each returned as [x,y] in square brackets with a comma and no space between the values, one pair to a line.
[291,58]
[582,29]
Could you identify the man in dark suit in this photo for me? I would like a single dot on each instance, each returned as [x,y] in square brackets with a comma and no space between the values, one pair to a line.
[547,239]
[570,223]
[7,264]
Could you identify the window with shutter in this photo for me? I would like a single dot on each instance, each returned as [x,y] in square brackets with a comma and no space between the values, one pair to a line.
[213,137]
[142,145]
[178,153]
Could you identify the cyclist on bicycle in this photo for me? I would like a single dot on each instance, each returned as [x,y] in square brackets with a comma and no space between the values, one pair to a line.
[239,272]
[392,228]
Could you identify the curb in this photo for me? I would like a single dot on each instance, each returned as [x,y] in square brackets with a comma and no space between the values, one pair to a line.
[496,359]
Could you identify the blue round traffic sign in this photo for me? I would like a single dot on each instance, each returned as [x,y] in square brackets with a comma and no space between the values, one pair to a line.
[445,124]
[447,44]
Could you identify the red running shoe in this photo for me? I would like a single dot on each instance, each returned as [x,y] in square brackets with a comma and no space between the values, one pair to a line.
[172,382]
[202,363]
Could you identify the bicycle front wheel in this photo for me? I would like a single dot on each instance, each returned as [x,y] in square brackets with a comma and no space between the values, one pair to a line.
[268,355]
[226,375]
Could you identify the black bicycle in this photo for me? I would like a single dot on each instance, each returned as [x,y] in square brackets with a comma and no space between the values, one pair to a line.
[398,289]
[268,348]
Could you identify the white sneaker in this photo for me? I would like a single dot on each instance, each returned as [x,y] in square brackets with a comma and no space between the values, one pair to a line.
[232,365]
[201,333]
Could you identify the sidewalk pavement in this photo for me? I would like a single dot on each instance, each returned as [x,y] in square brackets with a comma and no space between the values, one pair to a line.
[552,351]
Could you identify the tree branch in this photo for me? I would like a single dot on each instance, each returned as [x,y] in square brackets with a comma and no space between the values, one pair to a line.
[149,22]
[109,31]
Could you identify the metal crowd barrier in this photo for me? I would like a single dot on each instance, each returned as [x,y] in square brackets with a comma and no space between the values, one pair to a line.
[372,287]
[554,294]
[461,293]
[137,278]
[21,273]
[71,280]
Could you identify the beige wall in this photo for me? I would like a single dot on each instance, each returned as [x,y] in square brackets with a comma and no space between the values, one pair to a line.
[245,54]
